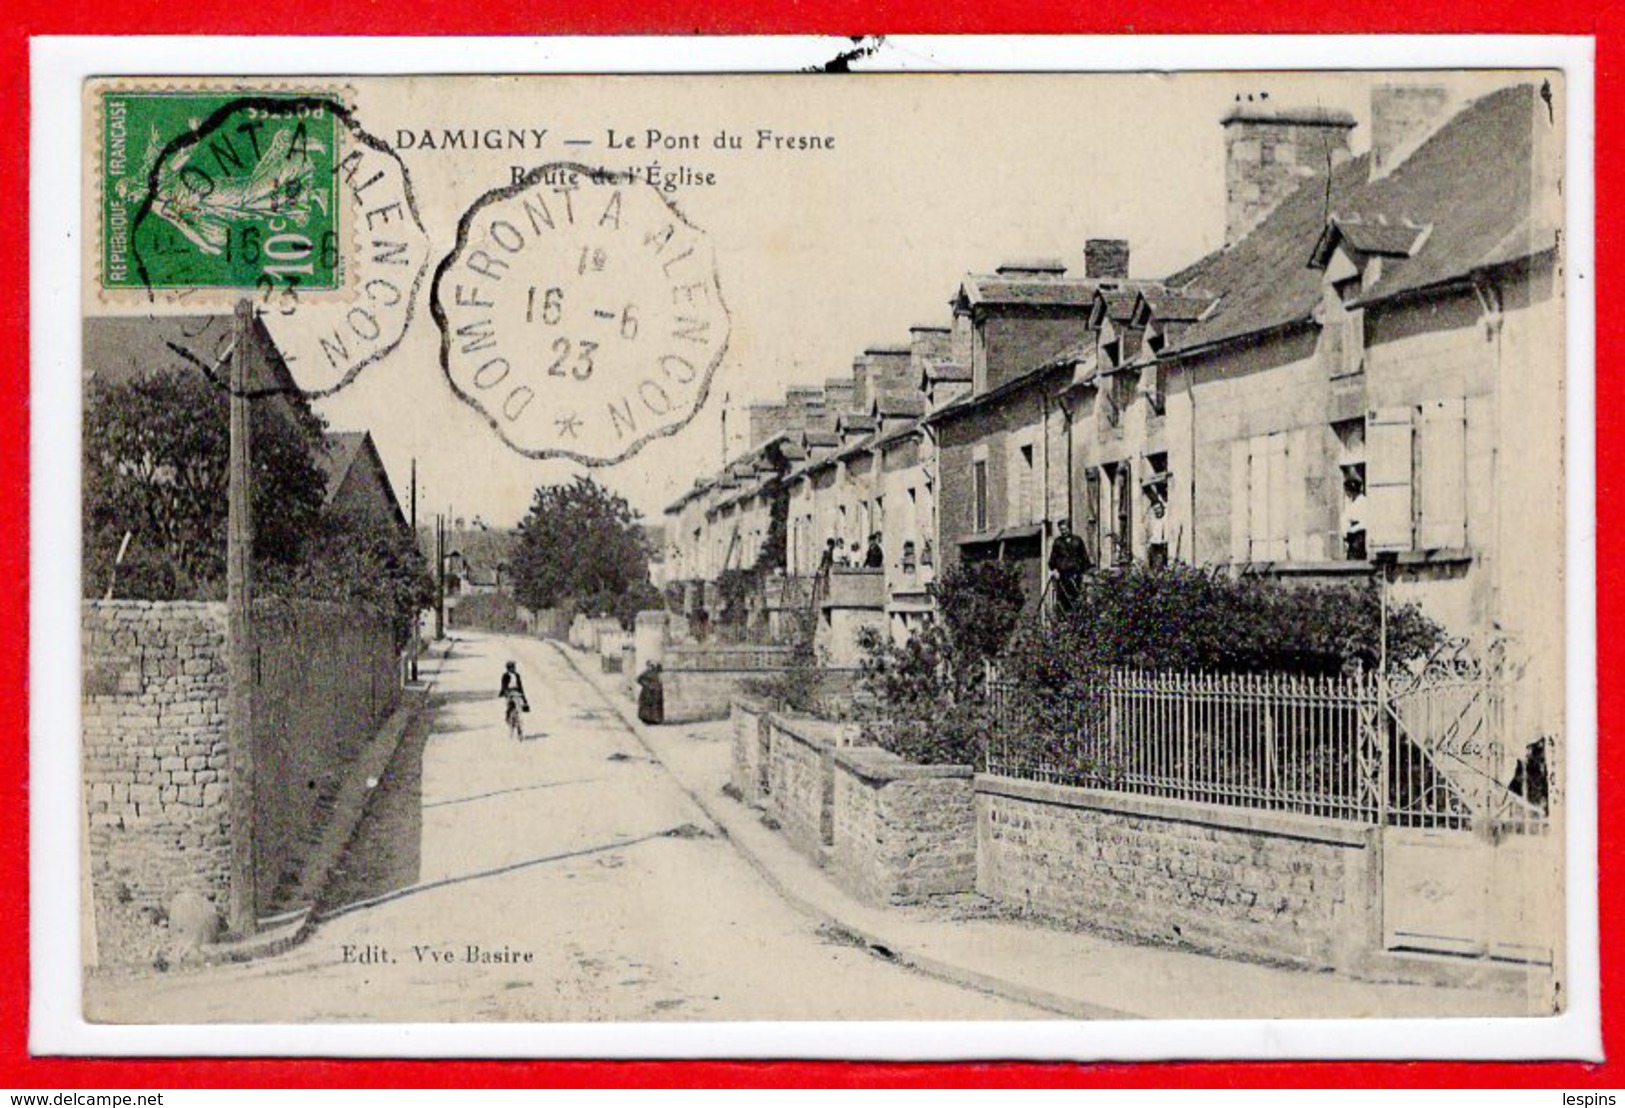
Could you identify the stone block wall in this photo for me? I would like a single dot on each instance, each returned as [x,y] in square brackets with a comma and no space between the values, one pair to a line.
[902,832]
[157,780]
[155,767]
[748,768]
[801,778]
[1271,886]
[693,695]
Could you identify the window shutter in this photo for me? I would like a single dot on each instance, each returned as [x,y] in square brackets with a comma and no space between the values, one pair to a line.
[1091,516]
[1240,499]
[1389,464]
[1442,480]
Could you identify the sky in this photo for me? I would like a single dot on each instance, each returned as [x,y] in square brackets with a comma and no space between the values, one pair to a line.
[819,253]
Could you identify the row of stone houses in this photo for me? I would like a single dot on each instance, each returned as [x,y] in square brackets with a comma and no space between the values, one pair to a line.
[1365,378]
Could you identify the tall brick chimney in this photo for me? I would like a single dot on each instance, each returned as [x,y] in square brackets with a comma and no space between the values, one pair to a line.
[1269,151]
[1106,259]
[1402,118]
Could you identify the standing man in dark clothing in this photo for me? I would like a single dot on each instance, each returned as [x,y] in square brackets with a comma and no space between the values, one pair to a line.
[1068,562]
[874,557]
[827,562]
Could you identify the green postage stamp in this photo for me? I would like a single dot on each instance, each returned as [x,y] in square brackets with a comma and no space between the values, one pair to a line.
[219,190]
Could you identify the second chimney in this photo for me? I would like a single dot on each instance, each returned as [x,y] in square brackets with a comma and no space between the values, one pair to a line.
[1402,117]
[1106,259]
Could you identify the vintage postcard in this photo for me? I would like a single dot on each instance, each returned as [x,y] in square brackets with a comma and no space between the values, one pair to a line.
[945,547]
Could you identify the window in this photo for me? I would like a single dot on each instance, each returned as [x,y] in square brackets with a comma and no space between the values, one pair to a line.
[1342,334]
[979,519]
[1417,477]
[908,557]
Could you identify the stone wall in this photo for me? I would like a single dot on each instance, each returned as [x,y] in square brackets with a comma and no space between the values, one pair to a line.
[748,768]
[1265,885]
[324,680]
[155,767]
[801,778]
[157,760]
[902,832]
[693,695]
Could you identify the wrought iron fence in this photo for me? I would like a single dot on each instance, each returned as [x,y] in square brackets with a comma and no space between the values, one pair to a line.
[1427,754]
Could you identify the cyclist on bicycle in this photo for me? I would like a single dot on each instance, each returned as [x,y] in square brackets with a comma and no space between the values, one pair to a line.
[513,692]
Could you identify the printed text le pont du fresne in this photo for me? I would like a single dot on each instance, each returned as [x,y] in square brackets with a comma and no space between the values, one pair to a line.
[639,142]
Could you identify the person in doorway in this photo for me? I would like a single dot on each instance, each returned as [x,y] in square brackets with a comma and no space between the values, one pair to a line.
[874,557]
[512,693]
[1156,535]
[1068,562]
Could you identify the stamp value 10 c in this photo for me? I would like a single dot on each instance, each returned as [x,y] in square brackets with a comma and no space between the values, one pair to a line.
[219,190]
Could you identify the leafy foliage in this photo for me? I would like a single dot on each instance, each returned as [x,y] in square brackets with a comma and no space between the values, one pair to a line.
[980,603]
[928,703]
[1183,618]
[156,453]
[583,547]
[800,686]
[353,560]
[931,705]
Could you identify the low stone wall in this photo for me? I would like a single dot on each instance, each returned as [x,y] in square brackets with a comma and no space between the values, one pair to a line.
[801,778]
[692,695]
[1267,885]
[748,769]
[902,832]
[156,771]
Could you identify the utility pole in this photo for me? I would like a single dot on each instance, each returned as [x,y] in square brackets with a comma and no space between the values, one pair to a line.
[412,666]
[240,629]
[439,577]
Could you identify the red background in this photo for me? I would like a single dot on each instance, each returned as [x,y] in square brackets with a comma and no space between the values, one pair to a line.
[496,17]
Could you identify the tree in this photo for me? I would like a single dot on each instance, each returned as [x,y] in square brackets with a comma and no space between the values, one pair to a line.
[155,467]
[350,559]
[926,697]
[585,547]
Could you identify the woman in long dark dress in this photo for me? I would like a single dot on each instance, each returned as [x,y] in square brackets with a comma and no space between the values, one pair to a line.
[651,695]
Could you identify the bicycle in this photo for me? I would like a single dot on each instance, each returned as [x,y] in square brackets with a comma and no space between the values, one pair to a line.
[513,718]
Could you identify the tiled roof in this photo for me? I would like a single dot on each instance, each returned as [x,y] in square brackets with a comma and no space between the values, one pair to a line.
[906,404]
[118,349]
[981,289]
[946,371]
[901,431]
[856,421]
[1114,303]
[1170,308]
[1374,236]
[1470,181]
[342,449]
